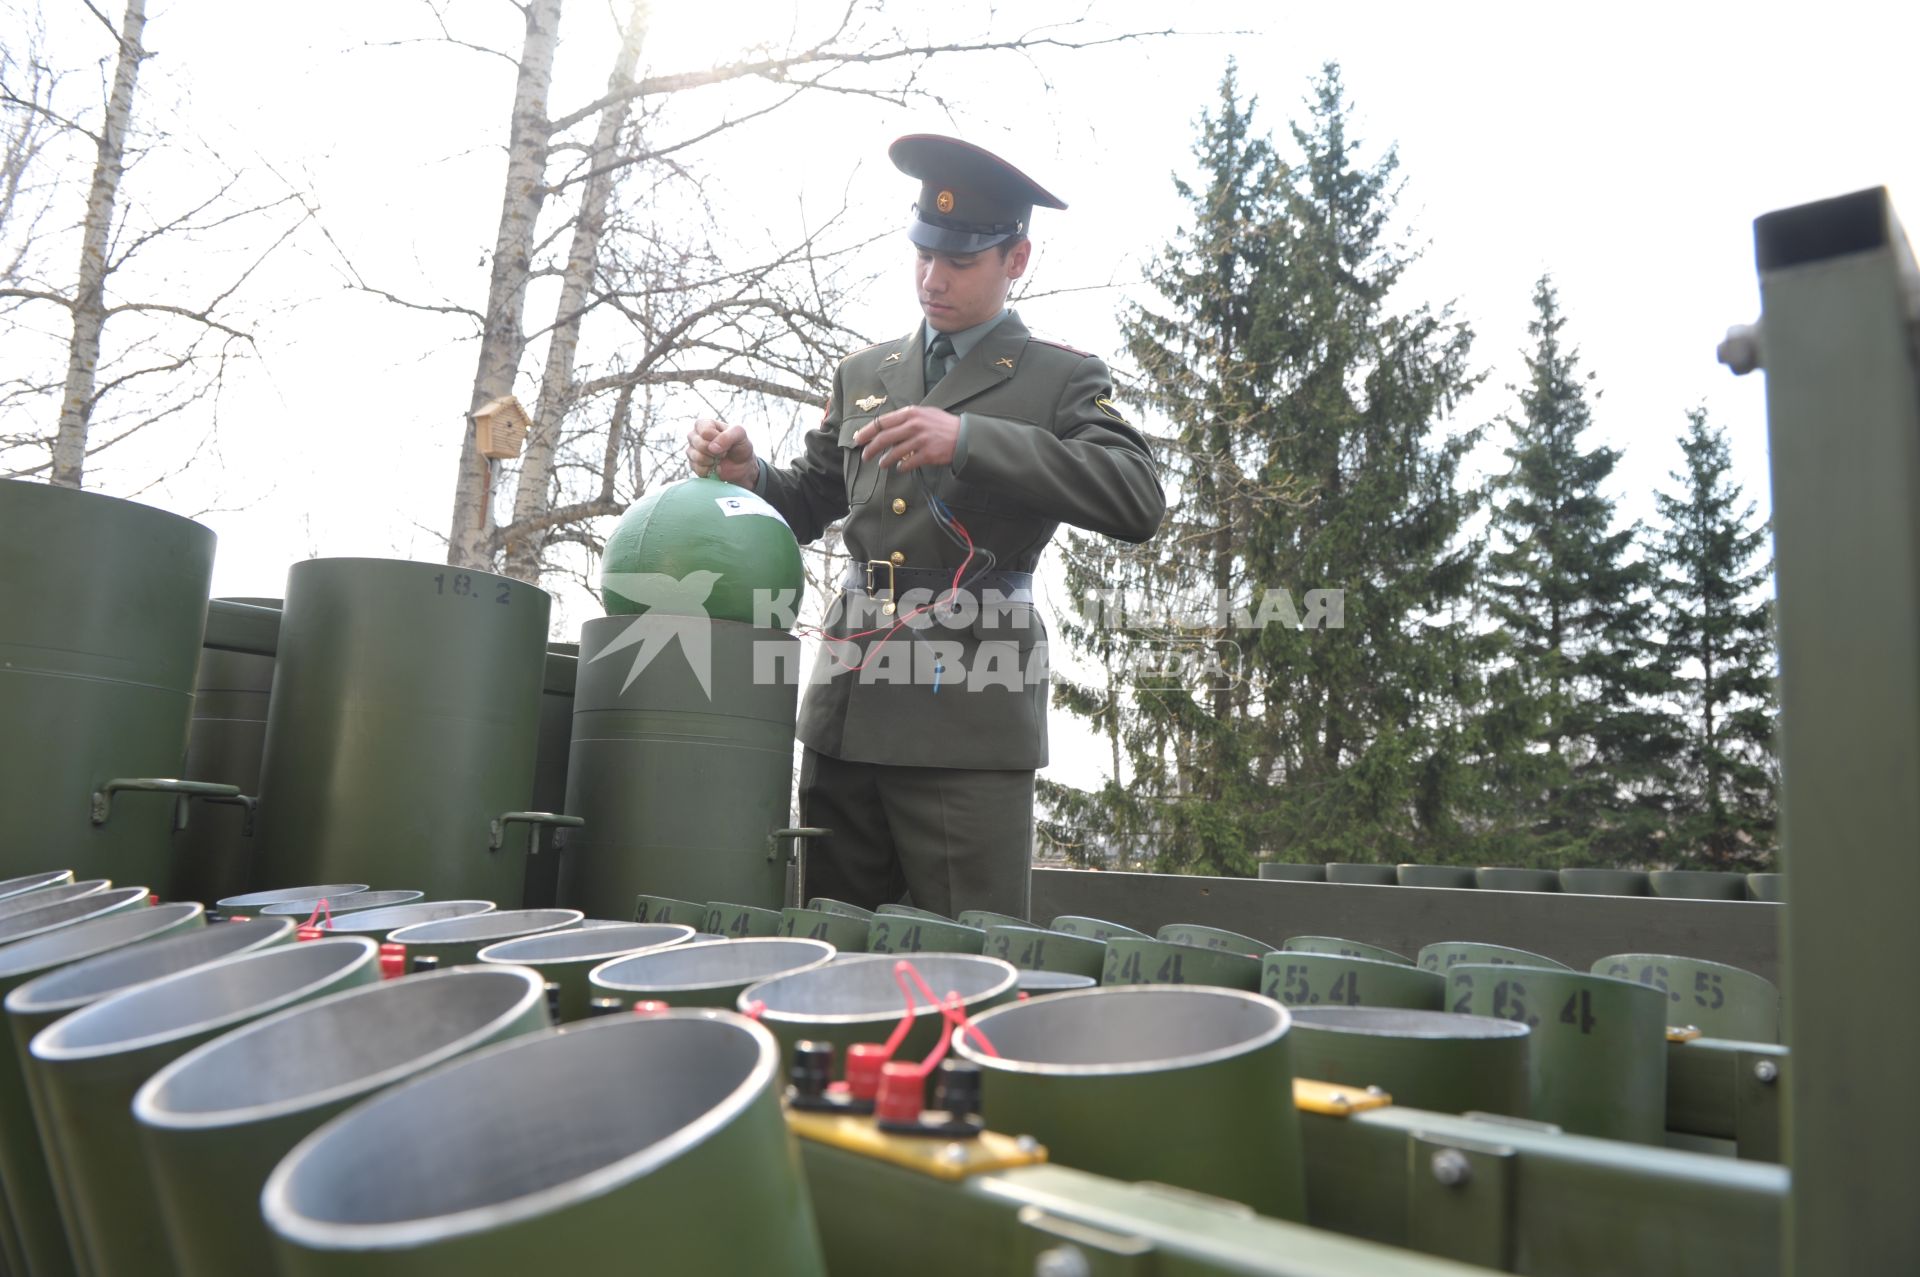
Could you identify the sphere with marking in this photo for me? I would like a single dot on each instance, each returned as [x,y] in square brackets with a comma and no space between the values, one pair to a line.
[703,547]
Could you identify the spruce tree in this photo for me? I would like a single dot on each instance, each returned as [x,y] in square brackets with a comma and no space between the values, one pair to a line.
[1576,763]
[1302,444]
[1714,592]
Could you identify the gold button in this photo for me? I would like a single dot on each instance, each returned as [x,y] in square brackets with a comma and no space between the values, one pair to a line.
[896,558]
[887,607]
[899,505]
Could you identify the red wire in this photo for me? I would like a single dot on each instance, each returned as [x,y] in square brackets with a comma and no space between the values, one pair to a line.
[953,1015]
[953,588]
[313,918]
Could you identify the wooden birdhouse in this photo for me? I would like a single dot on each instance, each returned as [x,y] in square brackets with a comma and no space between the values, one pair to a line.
[501,428]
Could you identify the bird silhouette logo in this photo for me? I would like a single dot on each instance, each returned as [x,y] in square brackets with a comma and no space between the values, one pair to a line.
[676,608]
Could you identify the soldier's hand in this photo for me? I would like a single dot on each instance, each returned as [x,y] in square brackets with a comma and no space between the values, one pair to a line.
[714,445]
[908,438]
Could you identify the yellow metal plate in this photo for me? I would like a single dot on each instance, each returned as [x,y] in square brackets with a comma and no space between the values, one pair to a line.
[1335,1100]
[930,1155]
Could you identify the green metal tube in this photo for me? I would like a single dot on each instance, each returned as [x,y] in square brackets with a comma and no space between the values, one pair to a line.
[650,732]
[357,902]
[1189,1087]
[1037,949]
[1498,878]
[23,1171]
[1281,871]
[65,913]
[1606,882]
[564,958]
[85,1069]
[888,934]
[858,999]
[216,1121]
[984,918]
[1719,1000]
[1036,983]
[1765,887]
[1457,877]
[379,923]
[99,638]
[1344,948]
[1423,1059]
[1299,979]
[908,911]
[250,903]
[216,853]
[1163,962]
[1094,928]
[34,882]
[1698,884]
[844,932]
[1598,1050]
[1362,875]
[35,900]
[689,913]
[707,973]
[555,743]
[423,1180]
[403,724]
[1447,954]
[453,942]
[1214,938]
[826,904]
[737,922]
[30,1167]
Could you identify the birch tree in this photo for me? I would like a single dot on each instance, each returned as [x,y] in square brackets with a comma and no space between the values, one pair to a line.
[173,334]
[764,331]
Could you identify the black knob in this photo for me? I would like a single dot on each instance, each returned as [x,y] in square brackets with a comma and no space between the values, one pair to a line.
[553,1002]
[605,1006]
[425,962]
[812,1069]
[956,1089]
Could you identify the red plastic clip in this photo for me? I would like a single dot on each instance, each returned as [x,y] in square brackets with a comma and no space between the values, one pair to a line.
[901,1092]
[864,1062]
[393,960]
[649,1007]
[153,898]
[308,933]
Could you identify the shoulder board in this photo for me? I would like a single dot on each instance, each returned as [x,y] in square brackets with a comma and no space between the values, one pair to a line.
[1061,345]
[853,354]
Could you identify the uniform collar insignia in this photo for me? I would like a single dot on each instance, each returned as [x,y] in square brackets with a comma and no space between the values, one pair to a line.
[1003,362]
[869,403]
[894,357]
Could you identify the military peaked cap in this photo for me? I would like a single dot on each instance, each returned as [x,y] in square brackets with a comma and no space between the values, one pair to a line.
[970,199]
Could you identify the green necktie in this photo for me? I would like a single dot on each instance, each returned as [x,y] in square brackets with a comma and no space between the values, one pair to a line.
[940,359]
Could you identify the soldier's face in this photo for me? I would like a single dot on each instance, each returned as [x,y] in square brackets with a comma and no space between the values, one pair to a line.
[958,291]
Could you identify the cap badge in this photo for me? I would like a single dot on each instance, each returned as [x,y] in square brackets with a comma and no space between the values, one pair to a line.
[944,201]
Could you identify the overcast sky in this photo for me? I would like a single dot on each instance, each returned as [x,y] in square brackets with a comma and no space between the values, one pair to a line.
[1625,148]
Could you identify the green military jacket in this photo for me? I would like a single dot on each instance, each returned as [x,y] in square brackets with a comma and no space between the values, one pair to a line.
[1042,445]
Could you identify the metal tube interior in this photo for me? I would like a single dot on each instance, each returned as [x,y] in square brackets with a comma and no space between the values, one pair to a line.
[587,944]
[865,989]
[352,902]
[199,999]
[83,940]
[34,921]
[1388,1022]
[290,895]
[95,978]
[395,917]
[713,962]
[52,896]
[1127,1029]
[338,1046]
[556,1114]
[487,926]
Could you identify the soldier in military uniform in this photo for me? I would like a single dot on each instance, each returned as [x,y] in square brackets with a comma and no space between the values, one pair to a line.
[953,452]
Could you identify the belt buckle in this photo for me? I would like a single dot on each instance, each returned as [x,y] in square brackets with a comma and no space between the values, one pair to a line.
[892,592]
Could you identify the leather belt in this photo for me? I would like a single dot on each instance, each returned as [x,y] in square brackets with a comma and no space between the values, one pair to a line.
[882,579]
